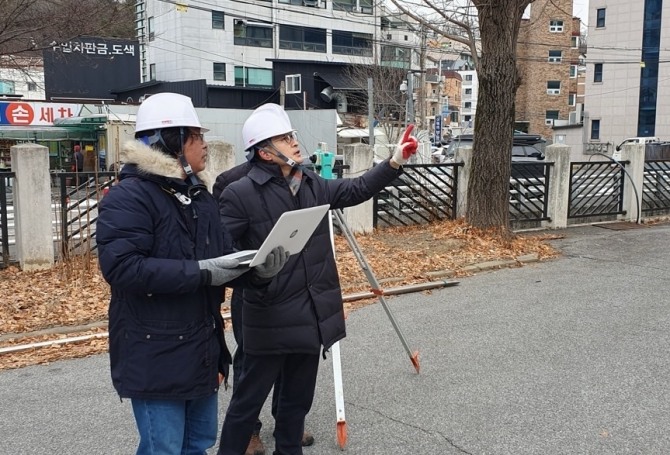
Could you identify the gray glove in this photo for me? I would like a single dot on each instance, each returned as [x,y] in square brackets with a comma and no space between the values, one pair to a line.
[274,262]
[221,270]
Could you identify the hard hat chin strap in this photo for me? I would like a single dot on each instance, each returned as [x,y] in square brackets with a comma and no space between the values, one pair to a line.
[283,157]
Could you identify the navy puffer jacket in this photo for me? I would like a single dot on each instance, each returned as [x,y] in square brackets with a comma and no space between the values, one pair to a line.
[165,327]
[300,310]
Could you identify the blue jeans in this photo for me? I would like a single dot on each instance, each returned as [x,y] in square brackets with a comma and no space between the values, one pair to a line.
[176,427]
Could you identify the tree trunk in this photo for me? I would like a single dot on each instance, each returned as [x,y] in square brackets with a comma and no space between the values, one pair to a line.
[488,190]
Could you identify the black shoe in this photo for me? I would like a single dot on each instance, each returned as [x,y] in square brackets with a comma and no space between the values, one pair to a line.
[307,439]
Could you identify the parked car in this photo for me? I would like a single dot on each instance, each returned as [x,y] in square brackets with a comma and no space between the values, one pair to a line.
[525,147]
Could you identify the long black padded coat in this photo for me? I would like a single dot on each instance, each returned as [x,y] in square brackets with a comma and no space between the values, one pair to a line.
[165,327]
[300,310]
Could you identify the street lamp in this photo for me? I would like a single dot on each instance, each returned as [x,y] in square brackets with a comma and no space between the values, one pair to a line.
[403,90]
[407,88]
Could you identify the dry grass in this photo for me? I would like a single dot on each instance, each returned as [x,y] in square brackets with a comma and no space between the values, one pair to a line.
[75,293]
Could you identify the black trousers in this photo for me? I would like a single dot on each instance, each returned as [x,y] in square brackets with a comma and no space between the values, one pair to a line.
[295,395]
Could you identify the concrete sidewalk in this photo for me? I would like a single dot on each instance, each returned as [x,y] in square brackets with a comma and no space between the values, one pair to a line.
[570,356]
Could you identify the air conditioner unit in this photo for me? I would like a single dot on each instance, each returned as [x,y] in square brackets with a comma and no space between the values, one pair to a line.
[553,91]
[549,121]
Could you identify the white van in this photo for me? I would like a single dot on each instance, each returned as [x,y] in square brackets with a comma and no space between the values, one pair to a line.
[633,140]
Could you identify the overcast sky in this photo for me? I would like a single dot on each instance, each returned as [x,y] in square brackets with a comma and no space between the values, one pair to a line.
[581,9]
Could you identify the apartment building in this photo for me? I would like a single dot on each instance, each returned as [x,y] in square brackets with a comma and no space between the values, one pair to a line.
[627,71]
[21,77]
[548,58]
[300,45]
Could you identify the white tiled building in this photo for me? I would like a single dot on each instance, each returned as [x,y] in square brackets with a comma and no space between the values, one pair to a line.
[627,71]
[22,77]
[232,43]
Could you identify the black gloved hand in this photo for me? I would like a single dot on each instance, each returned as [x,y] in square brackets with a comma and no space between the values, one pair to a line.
[274,262]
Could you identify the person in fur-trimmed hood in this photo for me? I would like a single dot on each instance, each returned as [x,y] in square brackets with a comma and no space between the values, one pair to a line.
[161,248]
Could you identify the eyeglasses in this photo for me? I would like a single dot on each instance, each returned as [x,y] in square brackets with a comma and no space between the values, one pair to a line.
[289,138]
[200,136]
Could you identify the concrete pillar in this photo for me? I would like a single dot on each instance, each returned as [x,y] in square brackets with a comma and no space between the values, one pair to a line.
[633,182]
[463,155]
[558,192]
[220,157]
[32,206]
[358,157]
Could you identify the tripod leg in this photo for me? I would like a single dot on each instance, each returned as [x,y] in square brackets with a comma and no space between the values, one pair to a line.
[351,240]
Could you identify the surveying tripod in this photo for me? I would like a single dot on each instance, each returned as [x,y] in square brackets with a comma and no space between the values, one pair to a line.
[324,162]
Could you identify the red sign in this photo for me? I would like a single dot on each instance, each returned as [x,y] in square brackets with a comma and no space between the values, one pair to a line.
[19,114]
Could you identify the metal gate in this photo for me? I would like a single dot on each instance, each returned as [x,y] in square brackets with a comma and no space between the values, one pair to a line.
[423,193]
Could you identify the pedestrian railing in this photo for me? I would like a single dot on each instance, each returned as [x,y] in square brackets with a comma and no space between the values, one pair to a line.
[6,198]
[656,187]
[77,196]
[528,191]
[596,189]
[423,193]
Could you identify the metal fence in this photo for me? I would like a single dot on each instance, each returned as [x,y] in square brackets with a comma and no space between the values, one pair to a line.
[6,218]
[528,191]
[596,189]
[656,187]
[423,193]
[77,196]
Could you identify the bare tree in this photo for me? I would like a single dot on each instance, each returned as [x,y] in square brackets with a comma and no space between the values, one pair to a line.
[28,26]
[498,29]
[388,102]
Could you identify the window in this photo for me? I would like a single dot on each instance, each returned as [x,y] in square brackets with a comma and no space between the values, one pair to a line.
[252,35]
[467,105]
[553,87]
[574,42]
[219,71]
[555,56]
[217,20]
[302,38]
[253,77]
[468,77]
[572,99]
[152,72]
[151,28]
[551,115]
[573,71]
[6,87]
[595,130]
[600,17]
[556,26]
[32,86]
[293,83]
[395,57]
[468,91]
[598,72]
[350,43]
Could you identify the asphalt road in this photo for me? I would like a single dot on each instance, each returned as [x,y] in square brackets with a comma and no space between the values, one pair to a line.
[570,356]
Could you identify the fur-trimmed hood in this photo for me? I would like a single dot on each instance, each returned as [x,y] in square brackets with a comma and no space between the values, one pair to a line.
[152,161]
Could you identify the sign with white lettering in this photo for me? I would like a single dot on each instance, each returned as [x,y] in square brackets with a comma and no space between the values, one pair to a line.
[90,68]
[22,113]
[438,130]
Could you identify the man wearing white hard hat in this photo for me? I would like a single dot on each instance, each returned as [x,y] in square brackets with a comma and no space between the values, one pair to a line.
[160,244]
[299,313]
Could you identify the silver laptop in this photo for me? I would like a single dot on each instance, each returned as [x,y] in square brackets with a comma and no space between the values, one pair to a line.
[292,231]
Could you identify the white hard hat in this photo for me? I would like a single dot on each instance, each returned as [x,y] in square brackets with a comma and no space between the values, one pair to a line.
[166,110]
[267,121]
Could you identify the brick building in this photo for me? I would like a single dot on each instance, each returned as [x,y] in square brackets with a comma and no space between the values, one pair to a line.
[548,61]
